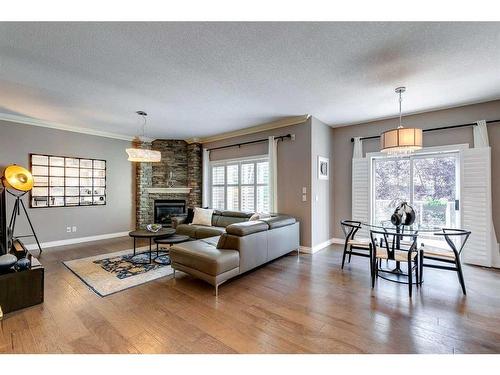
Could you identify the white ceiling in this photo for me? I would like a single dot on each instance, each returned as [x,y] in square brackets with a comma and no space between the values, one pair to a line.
[200,79]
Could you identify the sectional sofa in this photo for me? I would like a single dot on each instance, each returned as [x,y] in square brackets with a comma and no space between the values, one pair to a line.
[238,245]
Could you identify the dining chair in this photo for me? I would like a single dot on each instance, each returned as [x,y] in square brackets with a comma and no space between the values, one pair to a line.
[355,246]
[389,250]
[449,256]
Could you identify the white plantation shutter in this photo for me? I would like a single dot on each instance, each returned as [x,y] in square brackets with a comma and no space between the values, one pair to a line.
[476,206]
[361,193]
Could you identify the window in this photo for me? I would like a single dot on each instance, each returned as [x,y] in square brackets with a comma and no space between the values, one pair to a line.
[62,181]
[428,182]
[240,185]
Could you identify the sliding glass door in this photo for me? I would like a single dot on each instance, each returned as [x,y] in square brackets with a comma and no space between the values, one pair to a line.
[428,182]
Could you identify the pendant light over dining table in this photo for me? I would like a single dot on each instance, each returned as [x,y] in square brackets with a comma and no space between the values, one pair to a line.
[143,155]
[401,141]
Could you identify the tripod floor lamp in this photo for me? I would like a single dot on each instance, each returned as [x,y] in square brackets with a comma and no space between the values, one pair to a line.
[18,181]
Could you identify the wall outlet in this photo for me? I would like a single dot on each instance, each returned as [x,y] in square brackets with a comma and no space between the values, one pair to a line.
[73,229]
[68,229]
[304,198]
[292,137]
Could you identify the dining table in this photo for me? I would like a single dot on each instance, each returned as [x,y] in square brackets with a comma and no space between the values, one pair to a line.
[396,273]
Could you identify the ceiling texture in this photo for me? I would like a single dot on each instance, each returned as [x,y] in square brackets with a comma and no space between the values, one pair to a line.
[197,79]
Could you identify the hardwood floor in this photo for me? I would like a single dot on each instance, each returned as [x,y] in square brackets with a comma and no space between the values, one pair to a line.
[295,304]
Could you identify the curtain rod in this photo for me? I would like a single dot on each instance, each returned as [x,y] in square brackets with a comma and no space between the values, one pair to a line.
[281,137]
[434,129]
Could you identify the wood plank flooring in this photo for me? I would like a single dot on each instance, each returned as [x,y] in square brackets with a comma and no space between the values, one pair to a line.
[295,304]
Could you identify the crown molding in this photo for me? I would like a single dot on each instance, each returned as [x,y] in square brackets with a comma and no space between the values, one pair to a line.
[193,140]
[286,121]
[53,125]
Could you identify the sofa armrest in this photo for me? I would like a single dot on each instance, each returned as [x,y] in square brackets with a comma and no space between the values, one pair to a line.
[176,220]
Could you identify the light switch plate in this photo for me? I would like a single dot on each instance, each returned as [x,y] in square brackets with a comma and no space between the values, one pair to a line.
[304,190]
[304,198]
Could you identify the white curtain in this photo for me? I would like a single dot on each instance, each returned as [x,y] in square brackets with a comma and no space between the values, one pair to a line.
[357,151]
[481,134]
[273,174]
[205,190]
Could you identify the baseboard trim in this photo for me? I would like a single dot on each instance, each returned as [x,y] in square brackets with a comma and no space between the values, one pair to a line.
[320,246]
[71,241]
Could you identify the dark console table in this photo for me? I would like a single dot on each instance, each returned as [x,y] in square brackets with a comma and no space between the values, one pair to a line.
[20,289]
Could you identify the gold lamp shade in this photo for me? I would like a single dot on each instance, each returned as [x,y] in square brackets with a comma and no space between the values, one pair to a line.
[18,178]
[401,140]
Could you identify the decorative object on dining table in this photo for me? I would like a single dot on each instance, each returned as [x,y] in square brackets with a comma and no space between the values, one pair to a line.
[323,168]
[154,228]
[404,214]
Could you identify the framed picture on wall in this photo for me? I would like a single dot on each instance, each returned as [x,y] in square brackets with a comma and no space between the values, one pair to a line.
[323,168]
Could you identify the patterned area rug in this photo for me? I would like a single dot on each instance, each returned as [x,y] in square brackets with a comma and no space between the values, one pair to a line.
[109,273]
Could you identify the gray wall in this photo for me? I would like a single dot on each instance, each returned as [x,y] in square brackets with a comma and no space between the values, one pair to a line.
[294,169]
[17,141]
[342,146]
[322,190]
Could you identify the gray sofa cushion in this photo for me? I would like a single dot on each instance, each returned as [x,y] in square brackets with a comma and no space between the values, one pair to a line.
[204,232]
[198,231]
[186,230]
[248,227]
[225,218]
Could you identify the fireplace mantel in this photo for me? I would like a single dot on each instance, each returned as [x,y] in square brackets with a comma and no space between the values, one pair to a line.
[175,190]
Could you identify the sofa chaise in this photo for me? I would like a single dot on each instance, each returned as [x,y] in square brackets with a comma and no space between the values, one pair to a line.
[238,248]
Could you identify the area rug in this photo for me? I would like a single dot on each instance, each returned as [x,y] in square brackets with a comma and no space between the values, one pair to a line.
[109,273]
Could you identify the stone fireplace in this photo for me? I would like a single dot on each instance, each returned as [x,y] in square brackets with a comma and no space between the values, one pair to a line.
[177,178]
[165,209]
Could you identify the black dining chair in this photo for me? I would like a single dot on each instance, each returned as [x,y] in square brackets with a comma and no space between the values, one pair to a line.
[391,249]
[354,246]
[449,256]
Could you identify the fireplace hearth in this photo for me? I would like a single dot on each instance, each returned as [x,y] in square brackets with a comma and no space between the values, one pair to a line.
[165,209]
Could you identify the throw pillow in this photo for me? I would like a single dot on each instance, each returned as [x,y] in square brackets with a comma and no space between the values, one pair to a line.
[255,216]
[259,216]
[203,216]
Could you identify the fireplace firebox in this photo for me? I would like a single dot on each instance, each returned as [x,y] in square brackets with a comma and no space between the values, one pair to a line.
[165,209]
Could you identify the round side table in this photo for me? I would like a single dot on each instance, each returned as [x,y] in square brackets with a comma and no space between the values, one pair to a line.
[143,233]
[170,240]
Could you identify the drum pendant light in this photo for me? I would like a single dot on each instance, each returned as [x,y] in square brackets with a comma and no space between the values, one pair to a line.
[142,155]
[401,141]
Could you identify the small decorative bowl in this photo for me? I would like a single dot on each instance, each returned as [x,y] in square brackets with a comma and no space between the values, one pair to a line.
[153,227]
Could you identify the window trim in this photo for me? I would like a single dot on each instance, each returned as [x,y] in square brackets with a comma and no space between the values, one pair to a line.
[236,161]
